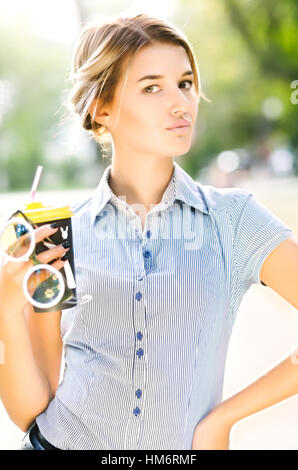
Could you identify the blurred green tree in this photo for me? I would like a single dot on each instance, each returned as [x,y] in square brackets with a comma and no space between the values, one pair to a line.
[247,53]
[35,69]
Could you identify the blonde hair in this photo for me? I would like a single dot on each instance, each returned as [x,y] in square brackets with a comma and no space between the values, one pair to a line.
[98,58]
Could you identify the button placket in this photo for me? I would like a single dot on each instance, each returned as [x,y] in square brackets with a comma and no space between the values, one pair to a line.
[139,358]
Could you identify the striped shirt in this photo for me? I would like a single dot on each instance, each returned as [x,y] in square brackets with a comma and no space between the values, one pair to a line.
[145,358]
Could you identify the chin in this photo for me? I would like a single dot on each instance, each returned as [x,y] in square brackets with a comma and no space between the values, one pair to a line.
[180,149]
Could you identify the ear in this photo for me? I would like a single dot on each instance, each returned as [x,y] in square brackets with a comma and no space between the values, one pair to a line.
[102,115]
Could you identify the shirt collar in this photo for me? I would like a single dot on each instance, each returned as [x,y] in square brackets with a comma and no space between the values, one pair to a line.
[181,187]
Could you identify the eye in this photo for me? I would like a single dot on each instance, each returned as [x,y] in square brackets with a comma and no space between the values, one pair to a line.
[147,87]
[188,81]
[184,81]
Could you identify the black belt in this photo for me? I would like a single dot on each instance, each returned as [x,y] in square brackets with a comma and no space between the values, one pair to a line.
[42,440]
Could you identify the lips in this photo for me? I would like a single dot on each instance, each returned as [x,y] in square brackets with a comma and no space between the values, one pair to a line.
[180,123]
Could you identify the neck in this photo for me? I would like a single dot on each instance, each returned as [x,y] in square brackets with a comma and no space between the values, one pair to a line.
[141,182]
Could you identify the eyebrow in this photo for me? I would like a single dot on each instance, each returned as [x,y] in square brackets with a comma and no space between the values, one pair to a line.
[154,77]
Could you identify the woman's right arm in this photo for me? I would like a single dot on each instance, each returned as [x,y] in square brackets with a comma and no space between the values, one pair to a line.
[25,386]
[46,342]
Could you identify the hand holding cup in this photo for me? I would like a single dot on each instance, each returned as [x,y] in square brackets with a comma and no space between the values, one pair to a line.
[12,274]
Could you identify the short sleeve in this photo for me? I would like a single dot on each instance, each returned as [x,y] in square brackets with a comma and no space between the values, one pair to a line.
[257,232]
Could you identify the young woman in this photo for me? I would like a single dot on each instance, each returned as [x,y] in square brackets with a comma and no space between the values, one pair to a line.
[166,259]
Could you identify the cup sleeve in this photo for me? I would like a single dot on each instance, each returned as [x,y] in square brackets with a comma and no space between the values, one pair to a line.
[257,232]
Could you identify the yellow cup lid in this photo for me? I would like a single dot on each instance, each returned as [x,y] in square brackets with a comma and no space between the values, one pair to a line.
[39,213]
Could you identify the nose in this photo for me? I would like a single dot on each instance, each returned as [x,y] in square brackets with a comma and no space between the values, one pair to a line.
[180,103]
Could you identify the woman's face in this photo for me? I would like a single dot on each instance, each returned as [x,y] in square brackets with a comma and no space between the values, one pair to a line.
[149,106]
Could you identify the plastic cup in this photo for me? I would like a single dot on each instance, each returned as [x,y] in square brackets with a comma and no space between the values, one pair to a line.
[42,215]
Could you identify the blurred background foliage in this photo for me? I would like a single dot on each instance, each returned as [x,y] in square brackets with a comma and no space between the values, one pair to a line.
[247,55]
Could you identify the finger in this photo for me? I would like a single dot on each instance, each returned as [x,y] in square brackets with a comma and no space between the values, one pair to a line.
[44,231]
[20,246]
[52,253]
[58,264]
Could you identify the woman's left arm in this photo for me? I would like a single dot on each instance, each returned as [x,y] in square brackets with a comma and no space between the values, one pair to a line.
[280,272]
